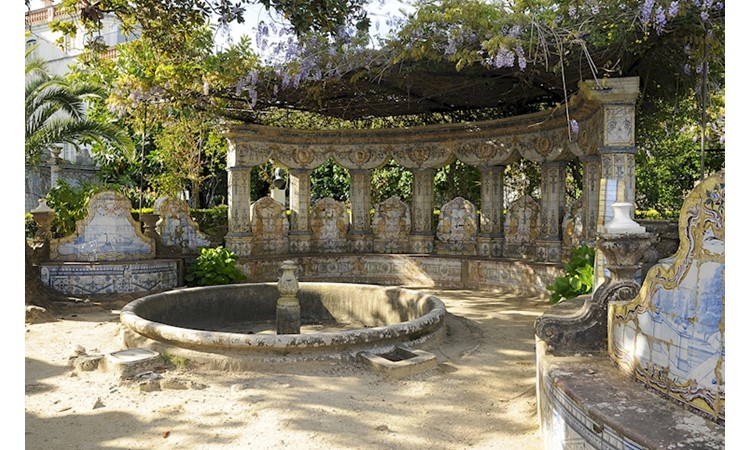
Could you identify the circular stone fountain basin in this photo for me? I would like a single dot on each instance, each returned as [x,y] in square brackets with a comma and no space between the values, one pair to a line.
[233,326]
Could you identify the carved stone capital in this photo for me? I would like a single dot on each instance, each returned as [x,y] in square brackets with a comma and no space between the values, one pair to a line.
[623,252]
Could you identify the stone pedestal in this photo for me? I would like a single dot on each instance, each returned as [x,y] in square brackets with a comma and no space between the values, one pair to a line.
[149,224]
[287,307]
[43,216]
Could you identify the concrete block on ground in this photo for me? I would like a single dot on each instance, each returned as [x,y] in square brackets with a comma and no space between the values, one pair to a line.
[400,362]
[128,363]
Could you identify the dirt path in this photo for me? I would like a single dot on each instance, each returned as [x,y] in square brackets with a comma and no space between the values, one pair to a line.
[482,395]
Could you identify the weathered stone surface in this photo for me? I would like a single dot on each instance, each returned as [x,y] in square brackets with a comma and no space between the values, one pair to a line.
[270,227]
[391,226]
[177,229]
[37,314]
[457,228]
[399,362]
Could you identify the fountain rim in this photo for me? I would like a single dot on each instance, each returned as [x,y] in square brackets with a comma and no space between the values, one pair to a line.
[226,341]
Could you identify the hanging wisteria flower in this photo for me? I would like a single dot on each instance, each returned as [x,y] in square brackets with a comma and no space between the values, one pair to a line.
[521,58]
[648,7]
[660,21]
[504,58]
[674,8]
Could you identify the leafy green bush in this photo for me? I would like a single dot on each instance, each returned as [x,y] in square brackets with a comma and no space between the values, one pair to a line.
[69,203]
[579,277]
[214,266]
[211,219]
[30,226]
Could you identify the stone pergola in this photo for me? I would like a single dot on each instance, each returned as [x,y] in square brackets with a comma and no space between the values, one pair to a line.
[604,111]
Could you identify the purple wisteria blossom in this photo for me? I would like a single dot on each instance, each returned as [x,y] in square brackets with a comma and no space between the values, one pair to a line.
[647,9]
[503,58]
[674,8]
[660,21]
[521,58]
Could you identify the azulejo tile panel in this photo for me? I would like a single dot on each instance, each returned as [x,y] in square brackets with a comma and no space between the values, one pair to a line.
[110,277]
[671,336]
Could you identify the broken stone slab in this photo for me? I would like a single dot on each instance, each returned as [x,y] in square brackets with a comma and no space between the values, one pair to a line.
[400,362]
[85,362]
[131,362]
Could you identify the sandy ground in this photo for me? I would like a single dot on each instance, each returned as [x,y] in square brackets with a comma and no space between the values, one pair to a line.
[481,396]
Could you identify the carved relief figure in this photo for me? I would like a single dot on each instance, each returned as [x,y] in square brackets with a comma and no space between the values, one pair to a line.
[330,222]
[270,226]
[391,226]
[457,227]
[458,221]
[521,227]
[176,227]
[573,225]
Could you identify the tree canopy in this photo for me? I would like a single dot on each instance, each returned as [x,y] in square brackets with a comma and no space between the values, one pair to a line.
[319,65]
[465,58]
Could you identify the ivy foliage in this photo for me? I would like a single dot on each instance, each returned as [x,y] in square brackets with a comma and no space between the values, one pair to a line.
[579,277]
[214,266]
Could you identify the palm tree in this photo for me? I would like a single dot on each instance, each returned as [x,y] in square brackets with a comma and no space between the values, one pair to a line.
[55,113]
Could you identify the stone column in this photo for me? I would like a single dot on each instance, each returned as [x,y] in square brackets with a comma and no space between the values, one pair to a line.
[55,166]
[617,183]
[491,232]
[549,243]
[360,230]
[422,236]
[239,237]
[591,177]
[299,202]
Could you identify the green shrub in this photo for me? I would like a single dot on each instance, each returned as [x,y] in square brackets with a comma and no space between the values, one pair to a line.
[209,220]
[30,225]
[214,266]
[579,277]
[70,203]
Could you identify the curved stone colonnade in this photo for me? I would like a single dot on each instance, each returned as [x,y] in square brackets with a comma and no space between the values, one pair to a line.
[602,136]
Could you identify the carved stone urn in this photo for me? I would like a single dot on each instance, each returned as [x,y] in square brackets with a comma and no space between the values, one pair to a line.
[43,215]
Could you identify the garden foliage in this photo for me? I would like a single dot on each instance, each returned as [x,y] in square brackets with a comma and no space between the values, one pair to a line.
[214,266]
[579,277]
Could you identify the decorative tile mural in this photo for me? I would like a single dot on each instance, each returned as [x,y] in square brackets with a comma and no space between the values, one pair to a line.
[108,233]
[110,277]
[671,336]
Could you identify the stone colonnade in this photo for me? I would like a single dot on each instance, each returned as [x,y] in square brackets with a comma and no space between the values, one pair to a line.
[603,139]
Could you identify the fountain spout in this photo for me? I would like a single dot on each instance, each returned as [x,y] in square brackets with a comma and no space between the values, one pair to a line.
[287,307]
